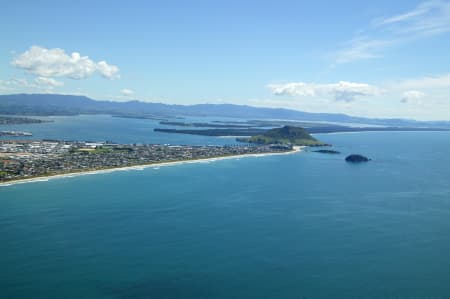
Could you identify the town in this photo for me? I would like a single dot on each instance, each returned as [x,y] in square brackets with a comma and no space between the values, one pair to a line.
[22,159]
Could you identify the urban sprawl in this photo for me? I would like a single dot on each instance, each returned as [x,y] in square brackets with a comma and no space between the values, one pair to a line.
[27,159]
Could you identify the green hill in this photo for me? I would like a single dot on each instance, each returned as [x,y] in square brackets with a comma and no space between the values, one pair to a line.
[285,135]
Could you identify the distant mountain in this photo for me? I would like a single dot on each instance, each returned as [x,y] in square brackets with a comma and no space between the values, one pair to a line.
[54,104]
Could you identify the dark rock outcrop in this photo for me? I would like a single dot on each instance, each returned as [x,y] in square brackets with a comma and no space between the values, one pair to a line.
[356,158]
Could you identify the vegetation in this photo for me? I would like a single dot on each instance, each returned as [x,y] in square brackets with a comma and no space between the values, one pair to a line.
[285,135]
[102,149]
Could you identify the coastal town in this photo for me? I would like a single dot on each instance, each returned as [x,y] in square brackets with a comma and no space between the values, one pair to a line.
[23,159]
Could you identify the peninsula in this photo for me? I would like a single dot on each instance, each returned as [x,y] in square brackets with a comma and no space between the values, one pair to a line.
[215,132]
[204,125]
[7,120]
[31,159]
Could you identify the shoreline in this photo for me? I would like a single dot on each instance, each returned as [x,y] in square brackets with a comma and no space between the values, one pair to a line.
[296,149]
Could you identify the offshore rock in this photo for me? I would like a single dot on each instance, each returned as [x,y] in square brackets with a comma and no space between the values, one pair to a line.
[356,158]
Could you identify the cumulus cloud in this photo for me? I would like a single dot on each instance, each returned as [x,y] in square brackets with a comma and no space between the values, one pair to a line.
[56,63]
[341,91]
[293,89]
[412,95]
[50,82]
[126,92]
[425,98]
[107,70]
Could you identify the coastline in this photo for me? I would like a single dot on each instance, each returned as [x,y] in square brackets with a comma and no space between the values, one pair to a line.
[296,149]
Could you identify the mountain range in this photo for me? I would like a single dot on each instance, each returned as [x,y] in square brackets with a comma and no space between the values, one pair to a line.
[56,104]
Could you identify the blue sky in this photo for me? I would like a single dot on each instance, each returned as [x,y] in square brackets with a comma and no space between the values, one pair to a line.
[380,59]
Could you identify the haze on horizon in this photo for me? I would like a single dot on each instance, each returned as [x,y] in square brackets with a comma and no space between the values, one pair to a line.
[381,59]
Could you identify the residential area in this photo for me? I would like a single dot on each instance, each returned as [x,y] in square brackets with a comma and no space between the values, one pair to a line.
[28,158]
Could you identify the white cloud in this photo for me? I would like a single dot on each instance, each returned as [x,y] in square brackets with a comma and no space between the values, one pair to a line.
[107,70]
[293,89]
[425,98]
[412,96]
[4,88]
[361,49]
[341,91]
[408,90]
[56,63]
[429,83]
[429,18]
[13,85]
[419,11]
[126,92]
[49,82]
[39,84]
[17,82]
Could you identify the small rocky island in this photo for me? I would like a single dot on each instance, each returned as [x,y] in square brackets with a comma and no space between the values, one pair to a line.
[355,158]
[286,135]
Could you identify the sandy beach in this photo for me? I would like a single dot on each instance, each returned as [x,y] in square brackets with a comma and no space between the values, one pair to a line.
[296,149]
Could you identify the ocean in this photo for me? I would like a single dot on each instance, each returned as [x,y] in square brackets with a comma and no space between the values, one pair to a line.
[305,225]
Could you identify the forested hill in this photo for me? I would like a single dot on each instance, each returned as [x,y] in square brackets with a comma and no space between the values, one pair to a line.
[285,135]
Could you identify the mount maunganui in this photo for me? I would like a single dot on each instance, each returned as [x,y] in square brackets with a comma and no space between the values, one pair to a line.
[55,104]
[285,135]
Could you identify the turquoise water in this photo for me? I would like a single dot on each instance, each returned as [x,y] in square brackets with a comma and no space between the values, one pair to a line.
[305,225]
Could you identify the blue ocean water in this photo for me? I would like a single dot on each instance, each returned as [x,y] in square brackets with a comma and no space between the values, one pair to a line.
[109,128]
[305,225]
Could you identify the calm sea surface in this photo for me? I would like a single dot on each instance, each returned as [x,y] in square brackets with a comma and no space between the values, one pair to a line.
[304,225]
